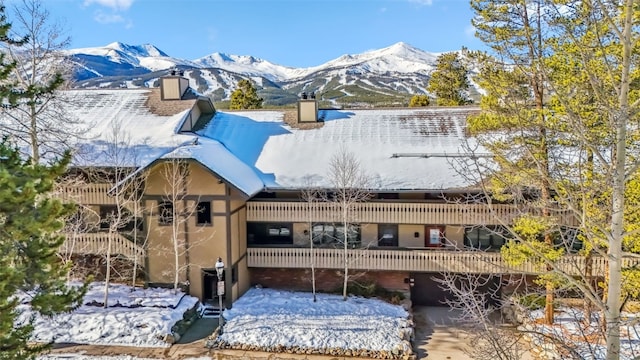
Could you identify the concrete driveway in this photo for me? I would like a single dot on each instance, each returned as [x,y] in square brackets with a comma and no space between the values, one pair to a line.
[436,335]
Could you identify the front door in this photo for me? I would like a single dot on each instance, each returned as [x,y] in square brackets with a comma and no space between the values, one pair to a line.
[434,236]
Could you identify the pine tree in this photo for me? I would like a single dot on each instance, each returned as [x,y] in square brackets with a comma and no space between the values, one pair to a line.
[29,240]
[29,223]
[449,83]
[562,93]
[245,97]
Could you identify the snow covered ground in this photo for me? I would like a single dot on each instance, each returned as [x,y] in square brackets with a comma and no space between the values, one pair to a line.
[268,318]
[89,357]
[570,326]
[135,317]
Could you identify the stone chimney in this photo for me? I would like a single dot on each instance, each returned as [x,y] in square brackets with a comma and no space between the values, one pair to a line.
[308,108]
[173,86]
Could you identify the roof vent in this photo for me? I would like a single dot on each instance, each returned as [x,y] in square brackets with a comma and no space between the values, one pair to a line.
[174,85]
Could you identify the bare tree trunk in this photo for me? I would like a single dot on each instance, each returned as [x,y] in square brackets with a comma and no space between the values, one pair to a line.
[311,196]
[176,247]
[614,289]
[135,241]
[107,276]
[313,254]
[346,252]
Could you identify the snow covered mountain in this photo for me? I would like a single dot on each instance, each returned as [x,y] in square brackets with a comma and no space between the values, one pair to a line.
[387,76]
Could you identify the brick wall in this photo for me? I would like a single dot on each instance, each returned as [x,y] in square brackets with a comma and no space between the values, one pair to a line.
[326,280]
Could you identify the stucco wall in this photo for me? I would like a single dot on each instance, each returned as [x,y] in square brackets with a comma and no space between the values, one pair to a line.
[454,236]
[406,235]
[369,234]
[201,244]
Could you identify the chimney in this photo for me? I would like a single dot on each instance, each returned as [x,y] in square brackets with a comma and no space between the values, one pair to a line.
[307,108]
[173,86]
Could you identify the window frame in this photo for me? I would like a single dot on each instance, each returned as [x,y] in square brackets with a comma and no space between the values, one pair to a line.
[331,233]
[267,233]
[164,207]
[494,241]
[395,240]
[199,215]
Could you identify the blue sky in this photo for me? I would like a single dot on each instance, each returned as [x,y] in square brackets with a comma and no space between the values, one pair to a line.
[298,33]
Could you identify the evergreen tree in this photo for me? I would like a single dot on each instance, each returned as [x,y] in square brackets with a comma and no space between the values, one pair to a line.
[419,100]
[30,270]
[30,219]
[245,97]
[449,83]
[562,92]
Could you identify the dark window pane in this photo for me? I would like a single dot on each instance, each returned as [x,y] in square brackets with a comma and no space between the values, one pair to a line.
[165,213]
[269,233]
[204,213]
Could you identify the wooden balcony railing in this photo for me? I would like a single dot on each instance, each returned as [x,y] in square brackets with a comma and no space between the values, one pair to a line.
[383,212]
[97,243]
[87,194]
[436,261]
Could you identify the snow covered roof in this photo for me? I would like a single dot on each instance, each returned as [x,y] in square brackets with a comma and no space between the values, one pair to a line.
[217,158]
[120,129]
[398,149]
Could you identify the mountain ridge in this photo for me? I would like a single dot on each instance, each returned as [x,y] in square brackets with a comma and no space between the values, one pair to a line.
[381,77]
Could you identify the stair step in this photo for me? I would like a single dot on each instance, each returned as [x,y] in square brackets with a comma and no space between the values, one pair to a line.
[210,311]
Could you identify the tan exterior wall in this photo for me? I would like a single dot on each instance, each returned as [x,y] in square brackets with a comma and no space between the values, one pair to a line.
[170,89]
[307,111]
[299,237]
[454,236]
[201,244]
[173,87]
[202,182]
[244,280]
[369,234]
[194,115]
[406,235]
[160,248]
[206,244]
[235,238]
[236,202]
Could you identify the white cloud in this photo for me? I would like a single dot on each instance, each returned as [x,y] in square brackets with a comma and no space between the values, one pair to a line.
[422,2]
[103,18]
[114,4]
[384,9]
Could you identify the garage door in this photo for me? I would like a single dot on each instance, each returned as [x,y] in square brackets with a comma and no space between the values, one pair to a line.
[427,291]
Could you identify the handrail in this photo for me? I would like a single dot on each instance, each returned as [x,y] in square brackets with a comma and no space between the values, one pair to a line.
[97,243]
[476,262]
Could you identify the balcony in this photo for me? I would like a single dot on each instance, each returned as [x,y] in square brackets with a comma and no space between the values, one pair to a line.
[382,212]
[97,243]
[87,194]
[434,261]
